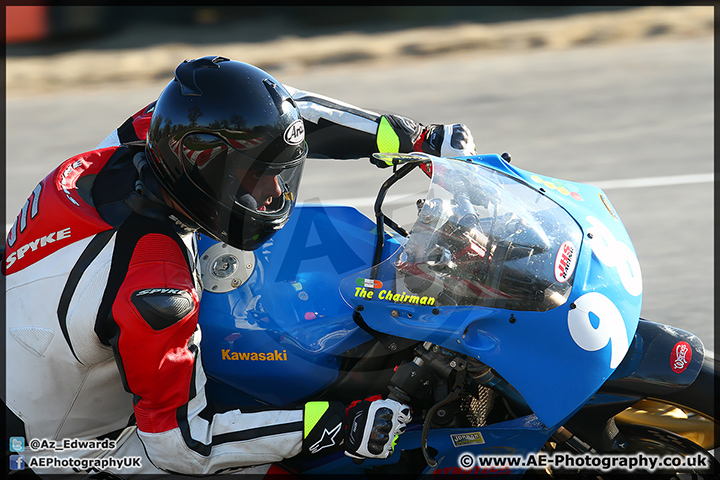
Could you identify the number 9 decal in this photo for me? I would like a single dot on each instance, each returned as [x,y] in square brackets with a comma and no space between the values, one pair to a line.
[610,326]
[615,254]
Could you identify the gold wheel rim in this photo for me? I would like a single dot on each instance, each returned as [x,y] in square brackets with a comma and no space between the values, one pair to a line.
[678,419]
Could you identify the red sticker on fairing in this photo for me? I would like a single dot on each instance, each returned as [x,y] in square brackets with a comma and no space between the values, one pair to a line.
[680,357]
[565,261]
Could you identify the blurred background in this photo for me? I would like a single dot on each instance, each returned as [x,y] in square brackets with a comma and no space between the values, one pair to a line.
[53,28]
[620,97]
[59,46]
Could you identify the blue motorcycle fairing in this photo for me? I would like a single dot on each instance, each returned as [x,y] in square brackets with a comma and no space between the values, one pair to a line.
[556,359]
[290,310]
[278,337]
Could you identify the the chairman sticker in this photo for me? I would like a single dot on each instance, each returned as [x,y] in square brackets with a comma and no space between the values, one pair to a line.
[465,439]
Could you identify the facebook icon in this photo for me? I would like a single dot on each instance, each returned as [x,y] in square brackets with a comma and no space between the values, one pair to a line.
[17,462]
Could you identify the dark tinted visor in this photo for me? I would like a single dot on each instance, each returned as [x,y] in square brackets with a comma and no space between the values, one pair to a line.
[243,170]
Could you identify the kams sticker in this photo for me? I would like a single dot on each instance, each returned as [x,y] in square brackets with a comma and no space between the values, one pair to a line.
[565,261]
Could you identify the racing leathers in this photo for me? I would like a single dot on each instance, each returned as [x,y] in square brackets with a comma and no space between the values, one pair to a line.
[102,295]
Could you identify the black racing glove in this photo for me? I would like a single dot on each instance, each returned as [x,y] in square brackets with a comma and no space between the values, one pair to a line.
[373,426]
[366,429]
[398,134]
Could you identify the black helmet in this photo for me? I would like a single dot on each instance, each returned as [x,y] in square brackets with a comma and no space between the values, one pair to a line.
[227,143]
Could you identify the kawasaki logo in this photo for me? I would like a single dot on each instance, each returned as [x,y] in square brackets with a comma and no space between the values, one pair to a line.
[254,356]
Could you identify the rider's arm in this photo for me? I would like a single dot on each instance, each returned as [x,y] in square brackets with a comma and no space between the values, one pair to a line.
[339,130]
[153,330]
[156,345]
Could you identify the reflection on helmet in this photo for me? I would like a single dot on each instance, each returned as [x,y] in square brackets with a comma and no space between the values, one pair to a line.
[227,144]
[487,240]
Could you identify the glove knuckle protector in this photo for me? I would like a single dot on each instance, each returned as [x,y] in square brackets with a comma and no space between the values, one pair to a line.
[457,141]
[373,427]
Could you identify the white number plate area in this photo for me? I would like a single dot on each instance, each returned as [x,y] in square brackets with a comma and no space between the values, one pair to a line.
[596,321]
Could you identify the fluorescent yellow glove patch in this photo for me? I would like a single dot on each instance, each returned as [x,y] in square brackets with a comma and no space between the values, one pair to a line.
[313,413]
[387,140]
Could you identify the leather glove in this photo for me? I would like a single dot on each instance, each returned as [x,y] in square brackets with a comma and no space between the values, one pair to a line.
[366,429]
[373,427]
[447,141]
[398,134]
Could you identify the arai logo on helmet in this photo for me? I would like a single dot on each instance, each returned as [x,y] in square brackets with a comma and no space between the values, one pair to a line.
[295,133]
[565,262]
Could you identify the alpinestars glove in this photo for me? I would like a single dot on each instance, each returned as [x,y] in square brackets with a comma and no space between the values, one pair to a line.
[373,427]
[448,141]
[398,134]
[367,428]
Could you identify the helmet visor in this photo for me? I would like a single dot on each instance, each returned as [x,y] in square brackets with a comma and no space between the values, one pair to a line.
[243,191]
[248,174]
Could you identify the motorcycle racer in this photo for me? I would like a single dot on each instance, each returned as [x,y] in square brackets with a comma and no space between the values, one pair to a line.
[102,284]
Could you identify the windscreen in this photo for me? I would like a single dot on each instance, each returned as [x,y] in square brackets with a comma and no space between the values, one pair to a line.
[481,238]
